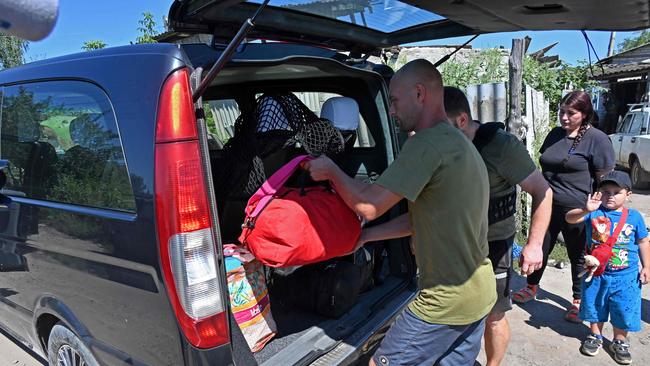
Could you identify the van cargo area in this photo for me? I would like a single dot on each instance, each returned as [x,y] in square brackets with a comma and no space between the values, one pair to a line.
[303,335]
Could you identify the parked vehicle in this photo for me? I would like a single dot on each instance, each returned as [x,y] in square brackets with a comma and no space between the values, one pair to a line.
[112,219]
[632,145]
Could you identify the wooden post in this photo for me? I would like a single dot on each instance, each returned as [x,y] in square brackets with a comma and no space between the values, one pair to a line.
[514,124]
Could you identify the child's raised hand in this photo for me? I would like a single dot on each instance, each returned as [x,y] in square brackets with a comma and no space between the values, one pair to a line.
[593,201]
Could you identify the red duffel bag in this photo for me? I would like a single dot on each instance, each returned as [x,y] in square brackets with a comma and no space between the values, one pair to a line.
[291,226]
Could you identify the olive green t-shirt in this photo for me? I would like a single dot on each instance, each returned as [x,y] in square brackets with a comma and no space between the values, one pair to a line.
[444,179]
[508,163]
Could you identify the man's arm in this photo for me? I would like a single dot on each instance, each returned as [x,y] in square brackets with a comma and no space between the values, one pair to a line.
[396,228]
[532,255]
[367,200]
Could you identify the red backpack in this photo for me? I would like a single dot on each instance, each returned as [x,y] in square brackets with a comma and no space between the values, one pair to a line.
[293,226]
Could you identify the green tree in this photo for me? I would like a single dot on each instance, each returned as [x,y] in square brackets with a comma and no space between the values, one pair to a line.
[147,29]
[551,79]
[93,45]
[12,51]
[485,66]
[635,41]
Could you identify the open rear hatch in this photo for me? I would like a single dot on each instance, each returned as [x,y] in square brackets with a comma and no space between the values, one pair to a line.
[366,26]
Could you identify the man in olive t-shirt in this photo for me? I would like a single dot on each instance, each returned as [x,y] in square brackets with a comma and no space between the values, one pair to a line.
[445,182]
[508,164]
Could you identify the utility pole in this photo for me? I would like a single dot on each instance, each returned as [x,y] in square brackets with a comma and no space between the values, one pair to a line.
[515,123]
[612,41]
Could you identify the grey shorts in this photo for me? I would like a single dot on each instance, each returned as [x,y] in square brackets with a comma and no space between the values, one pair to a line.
[501,257]
[412,341]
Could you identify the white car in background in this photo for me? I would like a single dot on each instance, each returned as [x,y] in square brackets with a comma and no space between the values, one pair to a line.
[632,145]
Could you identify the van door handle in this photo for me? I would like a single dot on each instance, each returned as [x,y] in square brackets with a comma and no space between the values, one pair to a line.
[620,138]
[633,140]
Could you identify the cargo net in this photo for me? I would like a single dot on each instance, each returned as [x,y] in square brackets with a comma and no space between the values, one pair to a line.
[279,122]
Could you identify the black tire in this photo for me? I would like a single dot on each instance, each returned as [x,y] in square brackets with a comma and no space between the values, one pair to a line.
[64,348]
[636,175]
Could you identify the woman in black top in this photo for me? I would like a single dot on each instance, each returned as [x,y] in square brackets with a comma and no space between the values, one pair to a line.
[574,156]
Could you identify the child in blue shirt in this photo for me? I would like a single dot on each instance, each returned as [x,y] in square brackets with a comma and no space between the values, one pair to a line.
[616,294]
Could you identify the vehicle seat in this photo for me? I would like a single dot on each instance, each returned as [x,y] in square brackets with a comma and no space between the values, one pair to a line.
[343,112]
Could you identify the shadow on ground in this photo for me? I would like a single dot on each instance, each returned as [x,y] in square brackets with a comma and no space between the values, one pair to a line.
[549,312]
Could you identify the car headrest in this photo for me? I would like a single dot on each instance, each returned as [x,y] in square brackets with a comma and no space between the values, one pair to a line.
[271,116]
[343,112]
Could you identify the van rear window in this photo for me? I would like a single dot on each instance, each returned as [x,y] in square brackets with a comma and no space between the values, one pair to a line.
[62,144]
[221,115]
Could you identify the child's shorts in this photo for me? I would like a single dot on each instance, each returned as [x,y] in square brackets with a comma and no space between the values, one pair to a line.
[617,296]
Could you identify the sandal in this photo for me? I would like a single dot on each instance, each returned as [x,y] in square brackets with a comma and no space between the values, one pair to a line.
[572,314]
[525,295]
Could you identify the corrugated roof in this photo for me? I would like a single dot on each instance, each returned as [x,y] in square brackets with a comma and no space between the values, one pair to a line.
[612,70]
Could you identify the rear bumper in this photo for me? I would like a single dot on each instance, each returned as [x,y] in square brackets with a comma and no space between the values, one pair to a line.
[367,337]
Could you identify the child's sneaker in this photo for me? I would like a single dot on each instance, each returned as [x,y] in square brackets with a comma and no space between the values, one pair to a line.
[591,345]
[621,350]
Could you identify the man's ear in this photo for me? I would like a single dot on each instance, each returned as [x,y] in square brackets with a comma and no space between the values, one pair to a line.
[463,120]
[420,92]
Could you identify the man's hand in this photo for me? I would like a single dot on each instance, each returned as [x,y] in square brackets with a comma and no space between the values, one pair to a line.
[320,168]
[531,259]
[593,201]
[645,275]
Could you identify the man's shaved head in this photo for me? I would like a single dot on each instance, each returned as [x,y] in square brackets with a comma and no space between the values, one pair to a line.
[416,96]
[420,71]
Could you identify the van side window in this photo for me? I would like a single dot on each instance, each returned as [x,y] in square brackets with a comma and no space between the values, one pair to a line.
[62,143]
[315,101]
[220,118]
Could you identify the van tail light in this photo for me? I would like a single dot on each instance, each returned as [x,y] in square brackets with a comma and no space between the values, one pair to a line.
[187,248]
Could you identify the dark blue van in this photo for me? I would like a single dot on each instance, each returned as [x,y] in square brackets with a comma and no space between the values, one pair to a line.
[112,216]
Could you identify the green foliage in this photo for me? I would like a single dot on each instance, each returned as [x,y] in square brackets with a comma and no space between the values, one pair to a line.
[551,80]
[485,66]
[12,51]
[93,45]
[147,29]
[635,41]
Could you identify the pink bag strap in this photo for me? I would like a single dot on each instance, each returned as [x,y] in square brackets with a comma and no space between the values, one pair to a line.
[273,184]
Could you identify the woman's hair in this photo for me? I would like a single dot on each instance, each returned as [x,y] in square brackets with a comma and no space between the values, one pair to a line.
[581,102]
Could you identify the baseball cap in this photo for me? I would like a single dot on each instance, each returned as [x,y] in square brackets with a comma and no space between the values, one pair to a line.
[619,178]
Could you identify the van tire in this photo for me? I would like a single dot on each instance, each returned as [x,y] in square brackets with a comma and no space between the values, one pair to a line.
[65,348]
[636,175]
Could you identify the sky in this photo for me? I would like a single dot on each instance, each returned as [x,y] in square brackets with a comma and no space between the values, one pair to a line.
[115,22]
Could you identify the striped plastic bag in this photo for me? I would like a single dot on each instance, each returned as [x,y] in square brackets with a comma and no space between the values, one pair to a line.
[249,302]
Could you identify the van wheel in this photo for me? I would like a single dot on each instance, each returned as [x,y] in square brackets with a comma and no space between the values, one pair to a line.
[64,348]
[636,175]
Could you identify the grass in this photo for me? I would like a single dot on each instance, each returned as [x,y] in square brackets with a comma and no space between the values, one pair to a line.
[559,253]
